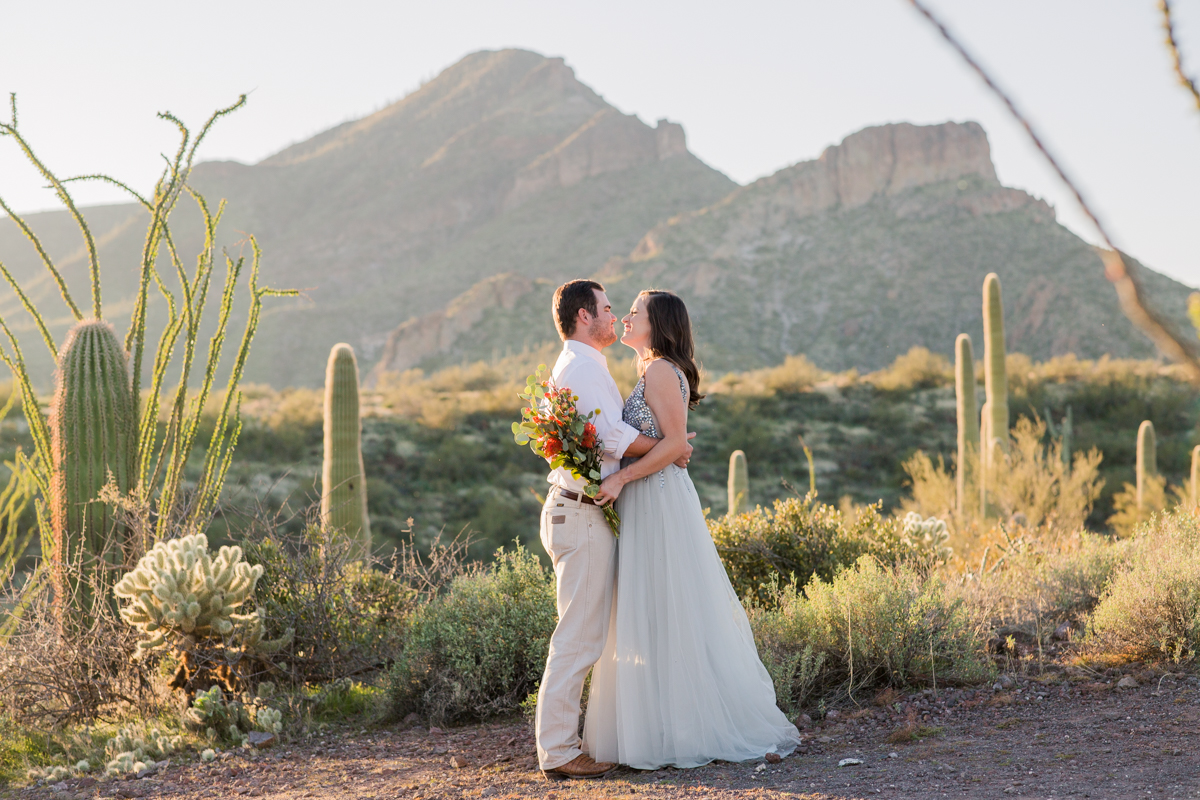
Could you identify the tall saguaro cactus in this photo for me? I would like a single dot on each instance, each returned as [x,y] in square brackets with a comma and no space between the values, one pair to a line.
[94,429]
[739,483]
[1195,486]
[968,423]
[1147,460]
[343,479]
[994,354]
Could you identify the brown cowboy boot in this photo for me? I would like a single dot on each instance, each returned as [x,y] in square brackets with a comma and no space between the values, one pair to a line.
[583,766]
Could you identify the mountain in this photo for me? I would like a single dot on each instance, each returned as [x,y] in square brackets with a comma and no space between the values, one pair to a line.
[436,229]
[503,163]
[879,245]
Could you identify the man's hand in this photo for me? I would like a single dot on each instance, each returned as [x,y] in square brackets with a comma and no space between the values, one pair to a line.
[683,460]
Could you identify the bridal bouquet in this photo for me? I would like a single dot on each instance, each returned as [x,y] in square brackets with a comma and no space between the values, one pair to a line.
[554,429]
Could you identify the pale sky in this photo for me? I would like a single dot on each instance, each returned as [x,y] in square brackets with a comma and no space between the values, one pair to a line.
[757,85]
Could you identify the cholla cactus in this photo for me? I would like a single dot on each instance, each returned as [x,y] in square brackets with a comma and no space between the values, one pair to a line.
[130,751]
[927,534]
[208,754]
[269,720]
[178,588]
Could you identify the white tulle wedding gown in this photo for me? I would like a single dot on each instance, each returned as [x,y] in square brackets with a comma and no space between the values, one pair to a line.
[680,682]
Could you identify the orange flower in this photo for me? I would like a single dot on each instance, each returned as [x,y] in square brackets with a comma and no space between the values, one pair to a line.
[552,446]
[589,436]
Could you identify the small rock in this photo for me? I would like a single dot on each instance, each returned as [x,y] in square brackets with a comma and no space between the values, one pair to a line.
[86,782]
[996,687]
[1127,683]
[773,758]
[1006,681]
[146,773]
[490,791]
[849,762]
[893,755]
[1063,632]
[412,719]
[261,740]
[824,739]
[441,751]
[804,721]
[832,714]
[436,731]
[61,786]
[458,762]
[1011,790]
[760,767]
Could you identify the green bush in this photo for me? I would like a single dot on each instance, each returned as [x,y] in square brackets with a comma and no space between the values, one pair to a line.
[799,538]
[1151,608]
[869,627]
[479,649]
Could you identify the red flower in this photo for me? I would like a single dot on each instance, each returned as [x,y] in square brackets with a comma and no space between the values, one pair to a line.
[589,436]
[552,446]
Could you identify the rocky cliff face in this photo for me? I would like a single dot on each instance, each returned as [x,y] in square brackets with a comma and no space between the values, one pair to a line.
[880,244]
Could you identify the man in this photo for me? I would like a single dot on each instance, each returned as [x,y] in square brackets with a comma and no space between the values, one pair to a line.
[575,533]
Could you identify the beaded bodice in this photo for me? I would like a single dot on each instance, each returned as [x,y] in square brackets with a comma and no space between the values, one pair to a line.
[638,415]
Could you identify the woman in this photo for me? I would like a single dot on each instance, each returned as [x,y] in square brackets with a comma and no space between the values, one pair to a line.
[680,682]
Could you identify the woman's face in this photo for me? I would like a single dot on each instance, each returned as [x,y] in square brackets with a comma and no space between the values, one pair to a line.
[637,326]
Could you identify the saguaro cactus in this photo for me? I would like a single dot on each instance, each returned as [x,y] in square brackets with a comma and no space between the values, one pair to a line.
[1196,476]
[968,423]
[739,483]
[343,479]
[93,423]
[994,354]
[1147,460]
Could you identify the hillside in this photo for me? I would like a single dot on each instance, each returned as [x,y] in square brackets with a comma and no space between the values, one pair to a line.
[879,245]
[502,163]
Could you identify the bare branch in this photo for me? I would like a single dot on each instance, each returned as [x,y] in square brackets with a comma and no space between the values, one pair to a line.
[1118,271]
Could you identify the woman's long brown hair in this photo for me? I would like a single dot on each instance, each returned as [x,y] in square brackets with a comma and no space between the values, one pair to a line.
[671,337]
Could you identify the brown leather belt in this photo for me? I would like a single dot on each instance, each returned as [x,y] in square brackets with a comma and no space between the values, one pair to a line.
[573,496]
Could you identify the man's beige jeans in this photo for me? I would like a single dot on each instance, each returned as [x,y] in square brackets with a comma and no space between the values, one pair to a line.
[584,553]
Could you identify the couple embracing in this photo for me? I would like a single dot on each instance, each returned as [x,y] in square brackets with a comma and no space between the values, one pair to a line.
[676,678]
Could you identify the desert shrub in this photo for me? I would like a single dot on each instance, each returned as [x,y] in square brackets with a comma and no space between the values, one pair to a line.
[800,537]
[870,626]
[917,369]
[1151,607]
[795,374]
[479,649]
[347,615]
[1031,486]
[50,679]
[1033,584]
[1156,497]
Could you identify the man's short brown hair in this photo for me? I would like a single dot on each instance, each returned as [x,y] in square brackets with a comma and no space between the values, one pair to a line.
[568,299]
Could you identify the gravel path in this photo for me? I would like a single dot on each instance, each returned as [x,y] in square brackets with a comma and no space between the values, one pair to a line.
[1063,736]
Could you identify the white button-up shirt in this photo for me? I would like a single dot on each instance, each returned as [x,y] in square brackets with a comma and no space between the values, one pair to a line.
[584,369]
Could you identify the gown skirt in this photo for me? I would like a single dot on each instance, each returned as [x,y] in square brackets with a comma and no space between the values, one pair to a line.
[680,682]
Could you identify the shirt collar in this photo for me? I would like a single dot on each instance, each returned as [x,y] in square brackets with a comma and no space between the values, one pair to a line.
[579,348]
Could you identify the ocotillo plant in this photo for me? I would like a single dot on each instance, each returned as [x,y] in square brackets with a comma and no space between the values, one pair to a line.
[93,429]
[968,423]
[1147,460]
[164,436]
[1196,476]
[343,483]
[739,483]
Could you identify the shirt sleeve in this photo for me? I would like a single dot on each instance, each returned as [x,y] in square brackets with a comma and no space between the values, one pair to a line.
[591,383]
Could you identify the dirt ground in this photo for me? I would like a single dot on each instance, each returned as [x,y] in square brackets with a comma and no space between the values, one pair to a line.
[1064,735]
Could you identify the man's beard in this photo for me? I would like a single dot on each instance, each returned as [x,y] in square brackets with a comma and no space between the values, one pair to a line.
[602,334]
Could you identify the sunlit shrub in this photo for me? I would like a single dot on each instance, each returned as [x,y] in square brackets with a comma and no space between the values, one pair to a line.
[798,538]
[479,649]
[1151,608]
[868,627]
[919,368]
